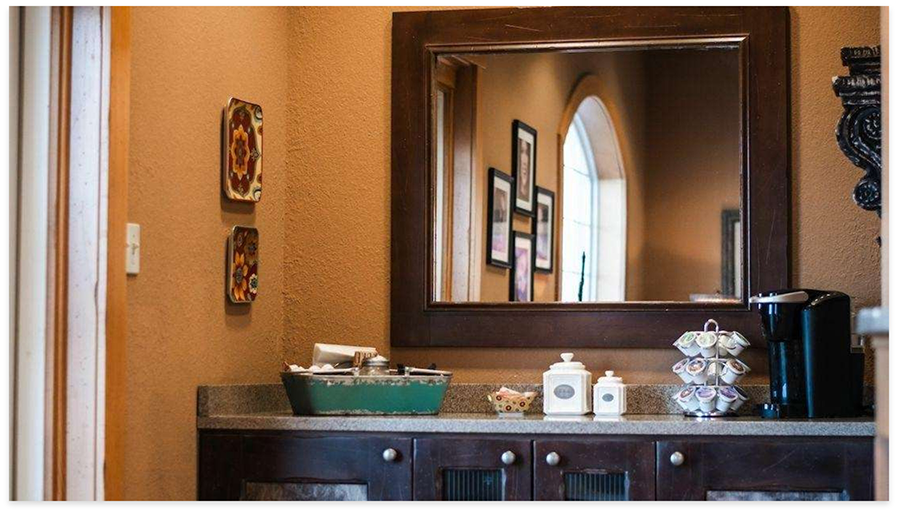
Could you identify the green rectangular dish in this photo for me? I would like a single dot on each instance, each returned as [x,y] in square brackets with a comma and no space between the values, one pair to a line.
[312,394]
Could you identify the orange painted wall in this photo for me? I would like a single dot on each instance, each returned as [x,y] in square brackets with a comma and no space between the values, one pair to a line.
[323,78]
[181,330]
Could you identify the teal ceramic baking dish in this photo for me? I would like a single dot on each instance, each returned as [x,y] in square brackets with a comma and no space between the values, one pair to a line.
[312,394]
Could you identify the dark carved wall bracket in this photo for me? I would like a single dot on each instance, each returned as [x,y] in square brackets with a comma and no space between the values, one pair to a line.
[859,132]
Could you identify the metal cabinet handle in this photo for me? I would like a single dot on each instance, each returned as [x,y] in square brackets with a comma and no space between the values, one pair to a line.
[553,458]
[390,454]
[677,459]
[508,457]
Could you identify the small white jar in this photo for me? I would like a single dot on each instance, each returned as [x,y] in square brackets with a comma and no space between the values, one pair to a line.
[609,395]
[566,388]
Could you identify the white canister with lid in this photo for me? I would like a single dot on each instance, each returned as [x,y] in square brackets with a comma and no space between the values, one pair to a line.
[566,388]
[609,395]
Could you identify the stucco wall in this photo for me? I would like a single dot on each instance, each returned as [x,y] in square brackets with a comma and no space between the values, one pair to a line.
[832,238]
[323,78]
[181,330]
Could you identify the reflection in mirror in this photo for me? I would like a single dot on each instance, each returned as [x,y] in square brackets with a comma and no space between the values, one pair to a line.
[624,165]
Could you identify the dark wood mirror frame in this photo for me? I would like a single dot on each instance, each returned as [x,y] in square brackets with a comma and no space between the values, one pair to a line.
[416,320]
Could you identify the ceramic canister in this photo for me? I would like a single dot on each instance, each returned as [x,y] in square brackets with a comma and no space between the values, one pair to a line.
[566,388]
[609,395]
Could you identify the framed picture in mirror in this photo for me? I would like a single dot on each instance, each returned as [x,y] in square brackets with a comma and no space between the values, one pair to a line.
[522,268]
[523,167]
[498,227]
[544,230]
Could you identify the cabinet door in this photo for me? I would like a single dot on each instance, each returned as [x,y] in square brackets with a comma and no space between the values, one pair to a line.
[729,469]
[594,470]
[283,467]
[462,469]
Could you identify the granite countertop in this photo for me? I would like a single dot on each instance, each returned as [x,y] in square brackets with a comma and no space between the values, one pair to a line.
[651,409]
[657,425]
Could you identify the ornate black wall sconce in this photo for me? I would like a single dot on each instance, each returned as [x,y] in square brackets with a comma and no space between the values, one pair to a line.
[859,132]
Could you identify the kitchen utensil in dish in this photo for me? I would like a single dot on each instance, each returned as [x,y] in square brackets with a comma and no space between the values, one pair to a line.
[334,354]
[375,366]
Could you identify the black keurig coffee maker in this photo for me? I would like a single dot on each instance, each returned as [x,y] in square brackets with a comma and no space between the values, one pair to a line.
[813,371]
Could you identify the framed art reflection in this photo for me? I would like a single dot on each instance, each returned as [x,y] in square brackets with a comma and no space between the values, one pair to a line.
[523,167]
[544,229]
[522,268]
[498,226]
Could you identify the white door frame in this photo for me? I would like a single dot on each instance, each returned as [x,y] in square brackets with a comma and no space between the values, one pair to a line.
[59,266]
[30,263]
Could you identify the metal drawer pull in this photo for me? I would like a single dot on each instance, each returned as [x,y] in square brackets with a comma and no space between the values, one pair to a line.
[508,457]
[553,458]
[390,454]
[677,459]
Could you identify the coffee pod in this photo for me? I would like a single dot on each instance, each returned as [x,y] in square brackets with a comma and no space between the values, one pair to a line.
[741,397]
[698,369]
[734,371]
[729,345]
[680,370]
[740,339]
[687,400]
[706,398]
[707,343]
[686,343]
[726,397]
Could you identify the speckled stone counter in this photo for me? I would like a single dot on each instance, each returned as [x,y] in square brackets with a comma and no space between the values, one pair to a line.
[654,425]
[642,399]
[265,407]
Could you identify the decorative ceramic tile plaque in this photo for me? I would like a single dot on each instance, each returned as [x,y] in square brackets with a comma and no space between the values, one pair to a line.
[242,178]
[243,264]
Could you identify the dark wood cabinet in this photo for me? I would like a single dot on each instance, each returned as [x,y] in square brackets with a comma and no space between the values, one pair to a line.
[599,470]
[284,467]
[253,465]
[764,469]
[472,469]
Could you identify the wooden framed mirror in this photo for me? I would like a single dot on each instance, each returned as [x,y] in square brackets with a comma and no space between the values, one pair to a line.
[586,177]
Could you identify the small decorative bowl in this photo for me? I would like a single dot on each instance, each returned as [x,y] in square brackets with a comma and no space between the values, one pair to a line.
[507,401]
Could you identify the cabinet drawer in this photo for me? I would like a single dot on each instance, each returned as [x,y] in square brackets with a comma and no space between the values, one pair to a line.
[730,469]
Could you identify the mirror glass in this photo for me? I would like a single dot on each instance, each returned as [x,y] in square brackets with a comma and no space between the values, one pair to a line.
[600,175]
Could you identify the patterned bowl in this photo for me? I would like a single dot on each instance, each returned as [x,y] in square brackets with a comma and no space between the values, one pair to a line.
[510,401]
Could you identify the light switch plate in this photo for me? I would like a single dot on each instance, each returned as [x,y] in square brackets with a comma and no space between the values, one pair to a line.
[132,251]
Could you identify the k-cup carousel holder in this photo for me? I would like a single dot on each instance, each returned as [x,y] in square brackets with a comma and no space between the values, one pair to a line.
[710,372]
